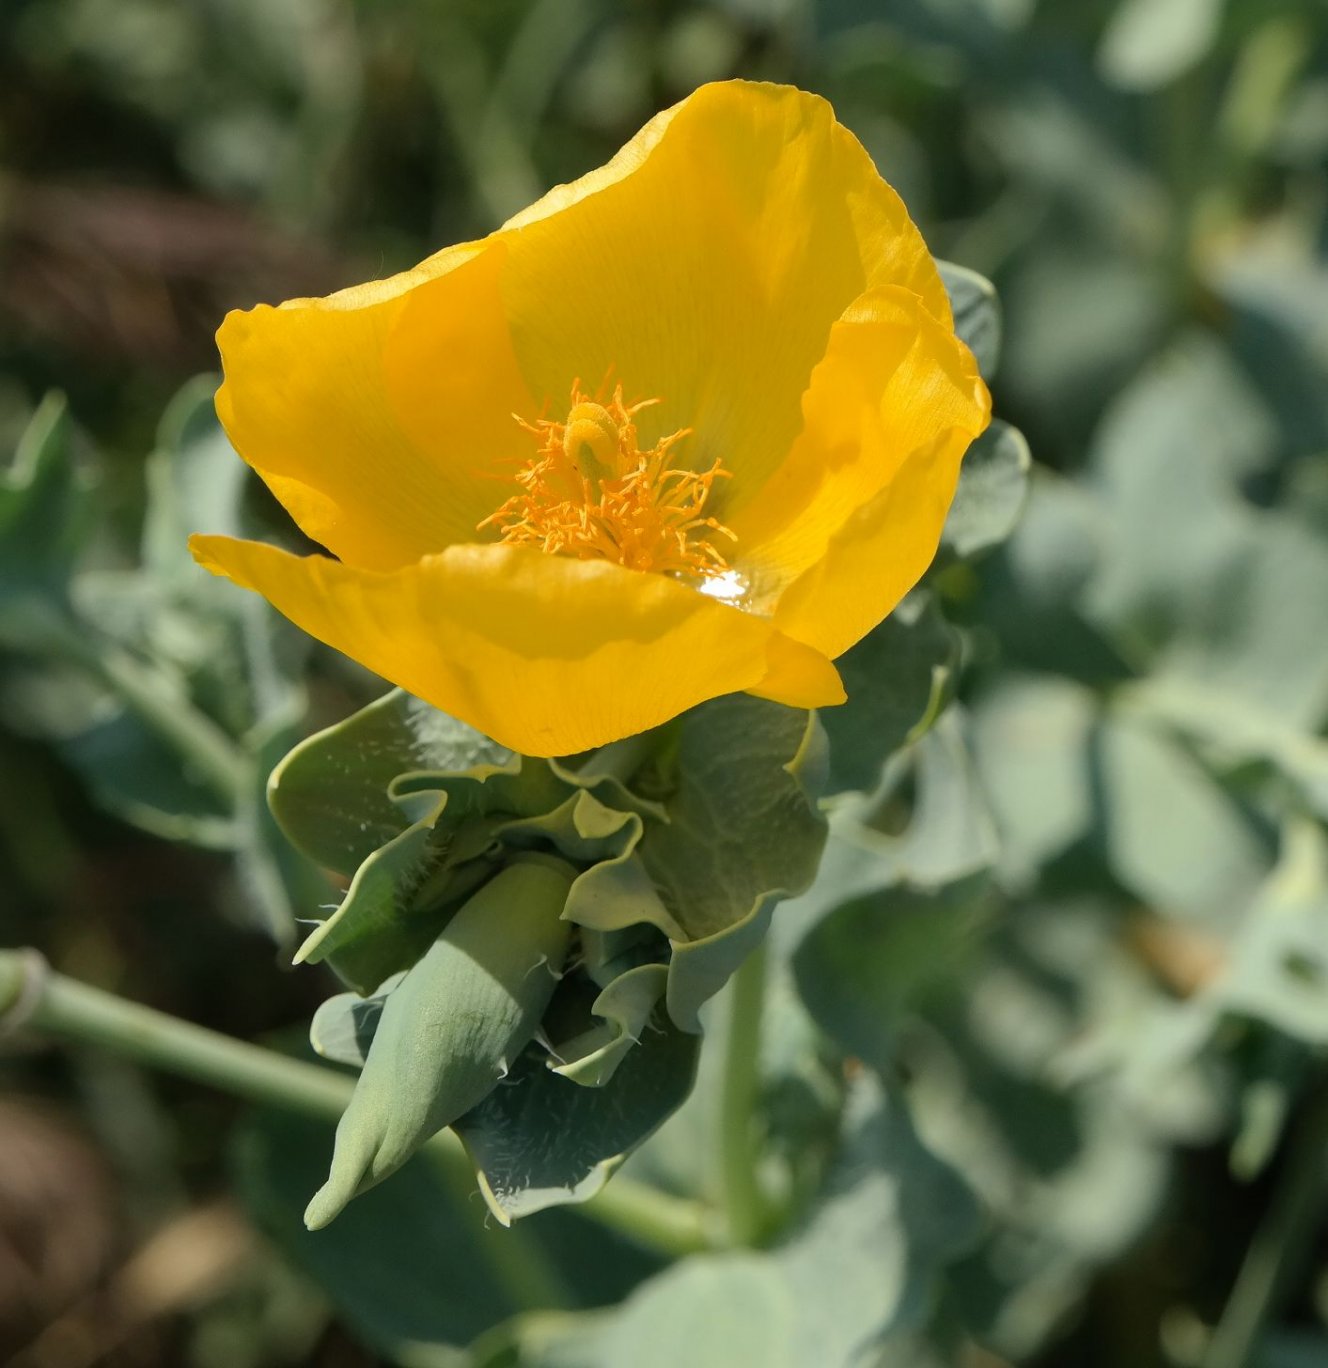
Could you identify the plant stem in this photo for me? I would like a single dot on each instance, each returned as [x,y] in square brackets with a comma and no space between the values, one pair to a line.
[1280,1242]
[61,1007]
[148,692]
[743,1201]
[675,1226]
[194,736]
[518,1262]
[73,1011]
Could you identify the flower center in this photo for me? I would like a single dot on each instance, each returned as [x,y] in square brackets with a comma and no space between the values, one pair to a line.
[591,492]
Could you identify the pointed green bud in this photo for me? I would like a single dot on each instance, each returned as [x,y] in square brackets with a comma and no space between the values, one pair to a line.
[452,1027]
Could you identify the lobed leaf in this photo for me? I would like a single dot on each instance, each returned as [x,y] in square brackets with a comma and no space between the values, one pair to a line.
[332,794]
[541,1140]
[743,831]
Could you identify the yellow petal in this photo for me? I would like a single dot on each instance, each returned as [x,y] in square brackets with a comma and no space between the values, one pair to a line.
[379,416]
[547,655]
[705,266]
[879,554]
[893,382]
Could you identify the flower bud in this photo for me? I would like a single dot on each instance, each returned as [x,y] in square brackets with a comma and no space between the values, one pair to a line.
[450,1030]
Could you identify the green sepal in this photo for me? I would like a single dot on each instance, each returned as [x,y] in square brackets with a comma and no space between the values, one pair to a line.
[606,954]
[369,795]
[451,1029]
[737,829]
[696,830]
[605,773]
[618,894]
[518,787]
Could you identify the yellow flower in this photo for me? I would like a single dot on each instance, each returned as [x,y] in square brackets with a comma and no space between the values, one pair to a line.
[685,427]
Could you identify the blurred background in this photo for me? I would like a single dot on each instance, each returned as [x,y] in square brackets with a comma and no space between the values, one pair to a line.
[1124,1054]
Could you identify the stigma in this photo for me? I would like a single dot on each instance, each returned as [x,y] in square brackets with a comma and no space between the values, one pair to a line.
[591,492]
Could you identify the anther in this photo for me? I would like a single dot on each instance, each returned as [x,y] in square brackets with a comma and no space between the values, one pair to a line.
[591,492]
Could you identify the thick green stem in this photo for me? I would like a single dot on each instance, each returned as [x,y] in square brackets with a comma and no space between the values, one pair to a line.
[743,1201]
[1280,1243]
[32,995]
[674,1226]
[71,1011]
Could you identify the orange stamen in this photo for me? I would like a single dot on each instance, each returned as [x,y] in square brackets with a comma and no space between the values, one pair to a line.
[591,492]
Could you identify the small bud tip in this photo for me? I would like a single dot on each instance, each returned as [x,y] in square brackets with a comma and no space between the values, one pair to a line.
[327,1204]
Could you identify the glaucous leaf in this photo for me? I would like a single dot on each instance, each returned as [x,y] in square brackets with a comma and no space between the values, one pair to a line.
[977,313]
[712,1311]
[866,966]
[343,1027]
[541,1140]
[863,1265]
[330,795]
[898,678]
[993,487]
[416,1268]
[928,820]
[278,881]
[1276,968]
[1031,745]
[195,484]
[133,773]
[743,831]
[1198,580]
[1228,729]
[1170,833]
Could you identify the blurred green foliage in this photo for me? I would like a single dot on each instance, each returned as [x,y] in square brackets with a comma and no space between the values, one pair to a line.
[1072,940]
